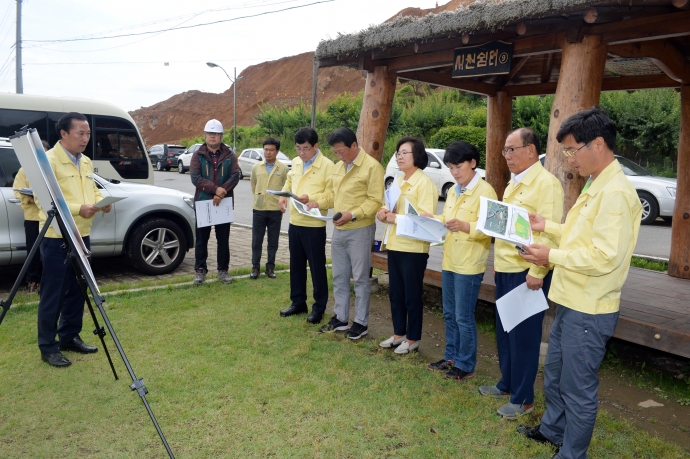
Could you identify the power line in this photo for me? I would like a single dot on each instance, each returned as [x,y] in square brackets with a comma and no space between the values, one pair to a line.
[137,62]
[180,27]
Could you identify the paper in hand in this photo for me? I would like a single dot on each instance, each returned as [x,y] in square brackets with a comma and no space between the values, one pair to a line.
[108,200]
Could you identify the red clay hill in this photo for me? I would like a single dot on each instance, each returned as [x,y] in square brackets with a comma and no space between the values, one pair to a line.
[283,82]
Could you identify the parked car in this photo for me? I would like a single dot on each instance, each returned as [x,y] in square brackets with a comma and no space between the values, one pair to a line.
[185,159]
[164,156]
[436,170]
[251,156]
[154,226]
[657,194]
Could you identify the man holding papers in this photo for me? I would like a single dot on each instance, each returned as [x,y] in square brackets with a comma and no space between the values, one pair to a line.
[215,173]
[310,180]
[31,228]
[537,190]
[61,298]
[464,261]
[407,257]
[591,263]
[357,195]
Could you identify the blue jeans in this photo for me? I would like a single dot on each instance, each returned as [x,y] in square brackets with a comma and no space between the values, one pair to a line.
[577,345]
[460,293]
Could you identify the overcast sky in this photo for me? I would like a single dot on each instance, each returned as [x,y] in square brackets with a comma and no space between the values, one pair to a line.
[143,69]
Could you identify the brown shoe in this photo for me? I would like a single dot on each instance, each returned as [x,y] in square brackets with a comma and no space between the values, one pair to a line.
[255,273]
[270,273]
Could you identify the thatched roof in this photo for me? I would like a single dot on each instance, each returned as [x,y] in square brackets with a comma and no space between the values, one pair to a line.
[479,15]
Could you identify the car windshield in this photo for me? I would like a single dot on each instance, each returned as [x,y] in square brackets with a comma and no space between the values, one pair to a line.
[631,168]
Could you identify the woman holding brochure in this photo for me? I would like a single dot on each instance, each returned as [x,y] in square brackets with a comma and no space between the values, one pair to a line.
[464,261]
[407,257]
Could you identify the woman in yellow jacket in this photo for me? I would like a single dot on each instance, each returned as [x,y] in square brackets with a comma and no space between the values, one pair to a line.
[464,261]
[407,257]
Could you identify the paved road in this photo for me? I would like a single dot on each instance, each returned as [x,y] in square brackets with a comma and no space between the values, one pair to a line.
[654,240]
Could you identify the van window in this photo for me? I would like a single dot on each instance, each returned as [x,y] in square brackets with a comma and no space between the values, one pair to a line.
[12,121]
[9,166]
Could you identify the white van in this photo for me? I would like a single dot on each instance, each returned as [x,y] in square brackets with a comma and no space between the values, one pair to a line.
[116,147]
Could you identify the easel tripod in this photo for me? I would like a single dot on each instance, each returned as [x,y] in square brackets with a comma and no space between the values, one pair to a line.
[84,282]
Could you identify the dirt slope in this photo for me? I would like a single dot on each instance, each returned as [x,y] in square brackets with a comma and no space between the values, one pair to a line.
[285,81]
[282,82]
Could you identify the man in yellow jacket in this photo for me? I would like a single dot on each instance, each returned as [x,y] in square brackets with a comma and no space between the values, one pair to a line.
[61,297]
[31,229]
[310,180]
[357,196]
[269,174]
[591,263]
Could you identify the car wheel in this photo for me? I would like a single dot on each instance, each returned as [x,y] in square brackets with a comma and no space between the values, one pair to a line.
[159,166]
[389,182]
[650,208]
[180,168]
[444,191]
[241,174]
[157,246]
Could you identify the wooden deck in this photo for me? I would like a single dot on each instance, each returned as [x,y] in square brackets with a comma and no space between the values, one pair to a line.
[654,311]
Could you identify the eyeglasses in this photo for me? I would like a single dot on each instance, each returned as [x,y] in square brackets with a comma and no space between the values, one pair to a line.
[400,154]
[510,150]
[303,149]
[572,153]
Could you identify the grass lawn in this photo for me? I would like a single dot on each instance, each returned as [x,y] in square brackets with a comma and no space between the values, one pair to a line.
[229,378]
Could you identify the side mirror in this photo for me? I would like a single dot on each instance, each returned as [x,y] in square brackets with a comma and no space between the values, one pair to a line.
[435,165]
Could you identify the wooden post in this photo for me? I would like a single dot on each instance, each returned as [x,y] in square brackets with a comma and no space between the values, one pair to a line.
[314,83]
[579,88]
[679,263]
[499,122]
[376,110]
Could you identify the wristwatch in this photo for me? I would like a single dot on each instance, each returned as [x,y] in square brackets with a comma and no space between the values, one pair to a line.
[353,218]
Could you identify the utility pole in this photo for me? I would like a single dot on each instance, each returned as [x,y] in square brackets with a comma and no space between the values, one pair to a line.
[18,49]
[234,102]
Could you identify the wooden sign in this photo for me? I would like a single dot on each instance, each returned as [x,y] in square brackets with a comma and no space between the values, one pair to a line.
[492,58]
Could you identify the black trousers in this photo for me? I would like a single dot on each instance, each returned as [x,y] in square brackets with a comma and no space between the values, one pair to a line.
[31,232]
[261,221]
[308,245]
[406,279]
[201,249]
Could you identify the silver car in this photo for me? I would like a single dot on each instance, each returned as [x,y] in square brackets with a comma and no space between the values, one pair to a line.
[154,226]
[184,161]
[251,156]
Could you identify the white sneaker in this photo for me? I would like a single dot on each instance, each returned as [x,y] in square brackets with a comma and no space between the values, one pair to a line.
[406,348]
[391,342]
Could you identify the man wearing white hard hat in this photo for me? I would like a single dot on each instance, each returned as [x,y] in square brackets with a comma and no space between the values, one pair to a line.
[215,173]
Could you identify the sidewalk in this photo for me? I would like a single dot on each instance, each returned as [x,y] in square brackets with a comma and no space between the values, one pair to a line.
[119,270]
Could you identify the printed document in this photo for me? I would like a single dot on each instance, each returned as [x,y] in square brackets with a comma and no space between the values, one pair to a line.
[392,194]
[313,213]
[520,304]
[285,194]
[107,201]
[208,215]
[504,221]
[25,191]
[414,226]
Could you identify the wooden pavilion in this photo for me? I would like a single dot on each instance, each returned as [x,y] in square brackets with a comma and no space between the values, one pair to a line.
[502,49]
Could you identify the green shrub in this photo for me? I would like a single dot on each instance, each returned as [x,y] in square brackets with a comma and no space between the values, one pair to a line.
[477,117]
[470,134]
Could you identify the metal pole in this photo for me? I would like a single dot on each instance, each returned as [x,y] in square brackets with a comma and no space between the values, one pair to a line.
[314,82]
[234,112]
[18,49]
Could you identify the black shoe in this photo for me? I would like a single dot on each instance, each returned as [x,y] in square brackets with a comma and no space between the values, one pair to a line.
[270,273]
[56,359]
[293,309]
[315,318]
[356,331]
[254,274]
[533,433]
[77,345]
[334,325]
[458,374]
[441,365]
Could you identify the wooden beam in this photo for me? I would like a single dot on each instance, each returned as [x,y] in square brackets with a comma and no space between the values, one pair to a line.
[579,88]
[376,111]
[443,58]
[679,263]
[657,27]
[591,15]
[682,4]
[446,80]
[516,68]
[547,68]
[662,52]
[499,122]
[609,84]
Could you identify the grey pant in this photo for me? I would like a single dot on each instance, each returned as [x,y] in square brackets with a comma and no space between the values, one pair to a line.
[351,255]
[577,345]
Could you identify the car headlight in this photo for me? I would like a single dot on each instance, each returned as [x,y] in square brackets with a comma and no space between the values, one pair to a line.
[671,190]
[189,201]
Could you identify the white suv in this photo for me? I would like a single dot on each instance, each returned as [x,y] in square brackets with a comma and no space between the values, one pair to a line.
[154,226]
[184,161]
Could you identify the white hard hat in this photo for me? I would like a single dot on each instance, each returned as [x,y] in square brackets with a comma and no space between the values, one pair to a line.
[214,126]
